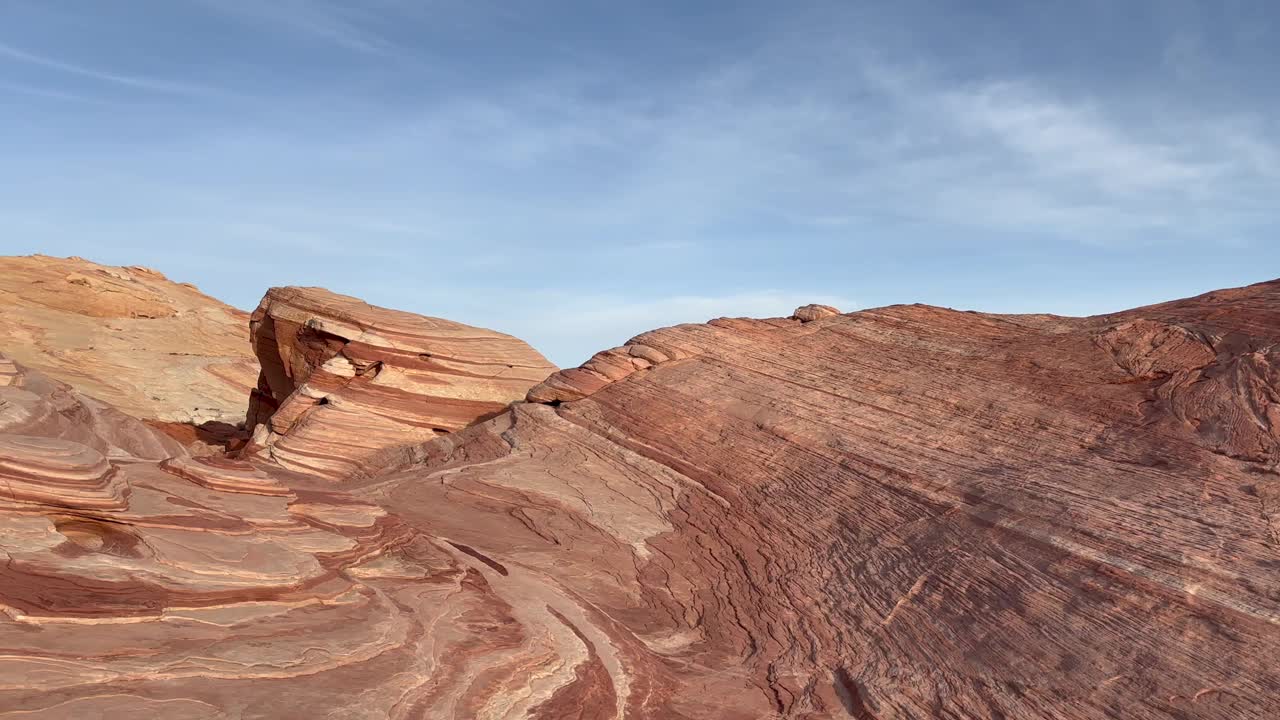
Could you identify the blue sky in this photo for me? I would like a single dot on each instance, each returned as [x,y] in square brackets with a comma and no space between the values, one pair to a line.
[578,172]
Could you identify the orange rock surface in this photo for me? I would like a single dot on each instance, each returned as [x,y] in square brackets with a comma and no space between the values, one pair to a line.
[34,405]
[129,337]
[343,380]
[906,512]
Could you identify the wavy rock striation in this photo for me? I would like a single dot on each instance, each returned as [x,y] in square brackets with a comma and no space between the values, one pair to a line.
[898,513]
[343,380]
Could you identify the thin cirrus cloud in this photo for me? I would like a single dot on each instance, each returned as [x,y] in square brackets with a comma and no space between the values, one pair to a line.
[645,165]
[337,23]
[19,55]
[45,93]
[1008,154]
[1074,142]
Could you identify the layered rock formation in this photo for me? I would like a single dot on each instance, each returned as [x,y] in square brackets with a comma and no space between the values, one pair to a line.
[342,380]
[130,337]
[906,512]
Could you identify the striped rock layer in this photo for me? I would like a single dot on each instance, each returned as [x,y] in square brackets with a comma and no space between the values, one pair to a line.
[906,512]
[343,380]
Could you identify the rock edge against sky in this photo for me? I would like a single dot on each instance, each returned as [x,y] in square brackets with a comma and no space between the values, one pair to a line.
[900,512]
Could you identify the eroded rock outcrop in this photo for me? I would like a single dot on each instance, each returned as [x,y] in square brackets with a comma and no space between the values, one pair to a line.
[897,513]
[128,336]
[343,380]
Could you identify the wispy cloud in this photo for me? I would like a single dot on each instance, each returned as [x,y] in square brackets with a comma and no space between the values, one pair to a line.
[516,167]
[48,93]
[712,156]
[132,81]
[346,25]
[1009,154]
[1073,141]
[1005,154]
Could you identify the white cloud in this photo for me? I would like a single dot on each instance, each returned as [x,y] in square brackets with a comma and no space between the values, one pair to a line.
[1011,156]
[1073,142]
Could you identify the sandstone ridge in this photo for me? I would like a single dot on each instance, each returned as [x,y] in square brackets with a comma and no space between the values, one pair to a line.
[904,512]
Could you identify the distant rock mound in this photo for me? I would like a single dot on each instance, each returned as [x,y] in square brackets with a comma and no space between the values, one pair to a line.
[128,336]
[342,380]
[809,313]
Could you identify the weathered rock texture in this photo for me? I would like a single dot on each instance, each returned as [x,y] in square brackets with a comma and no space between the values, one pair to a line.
[130,337]
[906,512]
[343,380]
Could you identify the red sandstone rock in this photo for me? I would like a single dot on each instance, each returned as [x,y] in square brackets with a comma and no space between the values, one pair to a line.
[906,512]
[343,380]
[128,336]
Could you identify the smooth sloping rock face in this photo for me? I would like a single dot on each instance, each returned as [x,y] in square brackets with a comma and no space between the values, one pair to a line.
[34,405]
[906,512]
[130,337]
[342,380]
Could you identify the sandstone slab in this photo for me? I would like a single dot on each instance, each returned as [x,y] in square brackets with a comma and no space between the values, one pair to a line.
[343,380]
